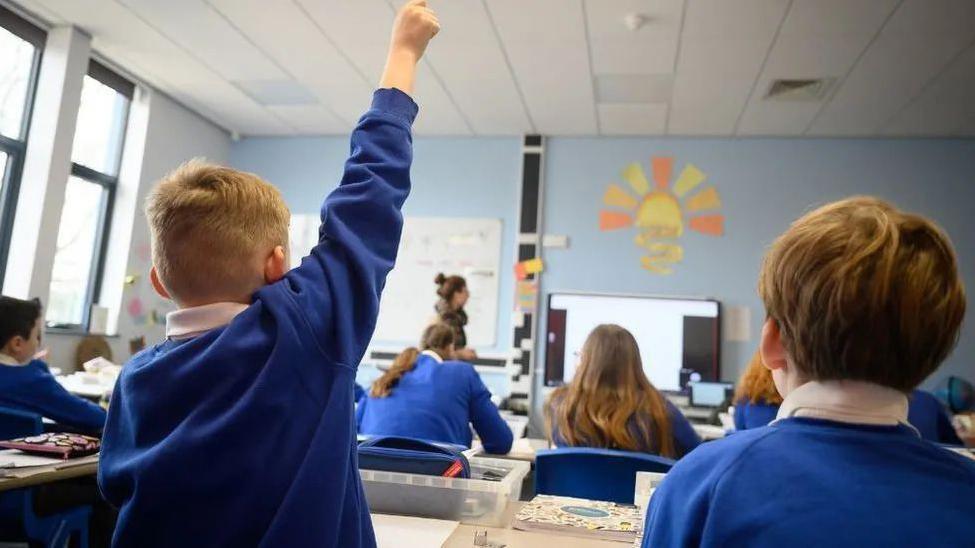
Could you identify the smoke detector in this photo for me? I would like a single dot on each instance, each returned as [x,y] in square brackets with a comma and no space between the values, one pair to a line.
[634,21]
[799,89]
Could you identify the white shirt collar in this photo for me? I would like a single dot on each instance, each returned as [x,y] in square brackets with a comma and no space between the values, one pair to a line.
[433,355]
[854,402]
[187,323]
[6,359]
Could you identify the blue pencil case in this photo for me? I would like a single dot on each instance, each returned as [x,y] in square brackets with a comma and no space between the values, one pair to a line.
[413,456]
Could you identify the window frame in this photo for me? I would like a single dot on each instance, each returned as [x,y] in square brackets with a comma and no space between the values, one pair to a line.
[109,184]
[16,149]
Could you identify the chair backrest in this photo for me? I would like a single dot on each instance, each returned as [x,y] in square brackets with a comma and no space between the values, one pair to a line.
[598,474]
[17,424]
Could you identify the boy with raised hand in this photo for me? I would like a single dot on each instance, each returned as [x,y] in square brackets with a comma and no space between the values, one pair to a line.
[238,429]
[864,301]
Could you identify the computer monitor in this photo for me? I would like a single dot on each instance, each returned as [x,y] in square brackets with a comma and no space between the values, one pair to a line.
[678,337]
[710,394]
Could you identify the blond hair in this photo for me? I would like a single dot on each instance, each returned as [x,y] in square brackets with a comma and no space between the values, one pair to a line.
[211,227]
[863,291]
[756,384]
[610,403]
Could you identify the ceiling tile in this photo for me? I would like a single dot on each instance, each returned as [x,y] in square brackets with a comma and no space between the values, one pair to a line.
[550,62]
[943,106]
[650,49]
[749,19]
[632,119]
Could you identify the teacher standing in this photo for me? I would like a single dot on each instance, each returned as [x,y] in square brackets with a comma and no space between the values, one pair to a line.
[453,294]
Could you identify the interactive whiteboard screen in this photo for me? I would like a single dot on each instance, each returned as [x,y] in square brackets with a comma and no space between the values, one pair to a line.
[678,337]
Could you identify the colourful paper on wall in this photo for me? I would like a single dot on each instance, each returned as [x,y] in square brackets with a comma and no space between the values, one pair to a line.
[633,174]
[712,225]
[520,272]
[615,196]
[526,296]
[706,199]
[662,167]
[534,266]
[611,220]
[689,178]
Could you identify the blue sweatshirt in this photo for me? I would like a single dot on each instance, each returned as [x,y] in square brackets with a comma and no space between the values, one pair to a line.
[437,402]
[684,436]
[245,435]
[753,415]
[811,482]
[926,413]
[32,388]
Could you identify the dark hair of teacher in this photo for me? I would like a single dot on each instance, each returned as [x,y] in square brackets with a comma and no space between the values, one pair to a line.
[453,294]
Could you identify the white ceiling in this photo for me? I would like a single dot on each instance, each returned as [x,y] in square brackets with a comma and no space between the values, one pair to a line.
[508,67]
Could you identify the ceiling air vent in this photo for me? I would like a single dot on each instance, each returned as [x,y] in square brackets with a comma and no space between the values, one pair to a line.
[799,89]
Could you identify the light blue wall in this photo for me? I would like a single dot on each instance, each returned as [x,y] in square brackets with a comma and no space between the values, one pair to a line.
[764,184]
[476,178]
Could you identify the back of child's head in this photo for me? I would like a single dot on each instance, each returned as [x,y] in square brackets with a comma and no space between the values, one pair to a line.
[437,337]
[863,291]
[212,228]
[17,318]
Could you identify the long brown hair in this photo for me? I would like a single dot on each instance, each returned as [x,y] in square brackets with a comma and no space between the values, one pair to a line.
[608,395]
[447,286]
[437,337]
[756,385]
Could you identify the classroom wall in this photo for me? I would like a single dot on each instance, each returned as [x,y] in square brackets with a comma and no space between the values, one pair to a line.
[472,177]
[764,184]
[174,134]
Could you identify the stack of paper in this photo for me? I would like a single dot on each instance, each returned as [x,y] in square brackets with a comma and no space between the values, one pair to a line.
[580,517]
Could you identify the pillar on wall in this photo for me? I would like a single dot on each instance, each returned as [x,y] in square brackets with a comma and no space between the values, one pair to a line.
[528,245]
[47,163]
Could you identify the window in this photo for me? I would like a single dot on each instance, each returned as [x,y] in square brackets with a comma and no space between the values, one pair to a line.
[85,220]
[21,44]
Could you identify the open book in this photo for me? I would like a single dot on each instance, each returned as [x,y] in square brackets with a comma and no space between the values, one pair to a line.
[580,517]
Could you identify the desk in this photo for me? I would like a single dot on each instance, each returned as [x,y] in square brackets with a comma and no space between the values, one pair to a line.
[463,536]
[522,449]
[36,475]
[79,384]
[708,431]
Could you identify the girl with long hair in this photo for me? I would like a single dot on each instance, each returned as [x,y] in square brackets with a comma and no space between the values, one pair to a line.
[756,399]
[426,395]
[611,404]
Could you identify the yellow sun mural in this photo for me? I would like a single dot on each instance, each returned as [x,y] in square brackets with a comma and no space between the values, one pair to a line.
[661,213]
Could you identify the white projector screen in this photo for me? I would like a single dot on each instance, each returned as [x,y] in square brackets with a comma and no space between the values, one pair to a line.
[678,337]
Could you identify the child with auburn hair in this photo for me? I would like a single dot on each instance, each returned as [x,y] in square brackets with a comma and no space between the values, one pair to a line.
[756,399]
[864,301]
[425,394]
[611,403]
[238,429]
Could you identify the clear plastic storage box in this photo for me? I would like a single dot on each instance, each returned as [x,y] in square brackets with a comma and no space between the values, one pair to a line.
[474,501]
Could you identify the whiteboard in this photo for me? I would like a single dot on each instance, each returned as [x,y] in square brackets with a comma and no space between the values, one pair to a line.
[468,247]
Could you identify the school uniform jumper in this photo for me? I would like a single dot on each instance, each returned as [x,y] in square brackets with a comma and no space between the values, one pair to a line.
[437,401]
[839,467]
[244,435]
[750,415]
[33,389]
[927,414]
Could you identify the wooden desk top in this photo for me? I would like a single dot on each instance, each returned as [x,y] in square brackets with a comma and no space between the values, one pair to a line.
[16,478]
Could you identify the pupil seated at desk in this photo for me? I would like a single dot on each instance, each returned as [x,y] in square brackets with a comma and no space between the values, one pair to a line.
[26,384]
[611,404]
[756,399]
[425,395]
[757,402]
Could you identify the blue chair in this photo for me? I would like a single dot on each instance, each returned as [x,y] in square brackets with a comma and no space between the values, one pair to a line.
[17,518]
[589,473]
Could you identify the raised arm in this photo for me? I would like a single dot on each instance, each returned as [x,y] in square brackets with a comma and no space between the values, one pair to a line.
[361,219]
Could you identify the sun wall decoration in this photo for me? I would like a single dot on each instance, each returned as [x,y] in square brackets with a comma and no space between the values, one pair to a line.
[661,214]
